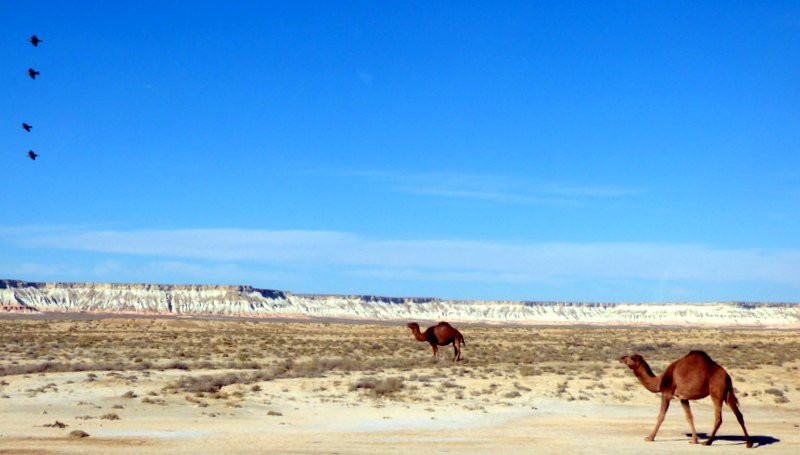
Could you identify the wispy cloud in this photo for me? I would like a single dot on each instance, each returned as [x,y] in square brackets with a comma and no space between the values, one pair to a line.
[495,188]
[440,259]
[215,244]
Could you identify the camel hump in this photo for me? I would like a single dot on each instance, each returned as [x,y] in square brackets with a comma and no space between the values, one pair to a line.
[700,354]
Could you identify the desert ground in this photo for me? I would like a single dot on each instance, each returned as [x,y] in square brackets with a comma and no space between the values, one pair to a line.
[171,385]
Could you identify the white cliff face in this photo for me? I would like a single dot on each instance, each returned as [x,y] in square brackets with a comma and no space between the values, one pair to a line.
[140,298]
[250,302]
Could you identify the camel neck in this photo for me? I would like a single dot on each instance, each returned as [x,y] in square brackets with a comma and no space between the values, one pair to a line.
[649,380]
[418,335]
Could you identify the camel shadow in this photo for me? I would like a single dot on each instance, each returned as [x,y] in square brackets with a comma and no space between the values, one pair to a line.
[758,441]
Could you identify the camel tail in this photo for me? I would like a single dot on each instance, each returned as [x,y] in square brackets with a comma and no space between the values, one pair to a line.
[462,339]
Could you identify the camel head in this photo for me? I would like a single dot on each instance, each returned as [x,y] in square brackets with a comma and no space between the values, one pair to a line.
[632,361]
[413,326]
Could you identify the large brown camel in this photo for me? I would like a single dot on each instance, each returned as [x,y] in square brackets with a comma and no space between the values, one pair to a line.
[441,334]
[692,377]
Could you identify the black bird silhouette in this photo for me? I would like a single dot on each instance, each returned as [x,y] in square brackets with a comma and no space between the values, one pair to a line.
[32,73]
[27,127]
[35,41]
[32,155]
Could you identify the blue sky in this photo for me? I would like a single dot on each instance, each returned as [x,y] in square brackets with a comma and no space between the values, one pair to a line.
[611,151]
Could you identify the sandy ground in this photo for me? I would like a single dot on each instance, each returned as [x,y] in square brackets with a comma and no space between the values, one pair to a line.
[130,412]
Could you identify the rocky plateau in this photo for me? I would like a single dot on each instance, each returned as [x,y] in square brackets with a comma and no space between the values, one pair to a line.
[245,301]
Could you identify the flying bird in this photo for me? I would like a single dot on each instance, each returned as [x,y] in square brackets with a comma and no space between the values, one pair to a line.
[27,127]
[35,41]
[32,73]
[32,155]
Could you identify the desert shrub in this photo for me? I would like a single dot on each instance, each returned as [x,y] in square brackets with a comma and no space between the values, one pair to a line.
[364,383]
[56,424]
[212,383]
[388,385]
[378,387]
[519,386]
[206,383]
[59,367]
[451,385]
[110,416]
[529,370]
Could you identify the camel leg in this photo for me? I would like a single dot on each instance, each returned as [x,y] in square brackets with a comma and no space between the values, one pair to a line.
[456,350]
[435,350]
[717,421]
[735,408]
[664,406]
[688,411]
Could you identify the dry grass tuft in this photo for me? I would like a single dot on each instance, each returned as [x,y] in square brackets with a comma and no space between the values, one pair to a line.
[378,387]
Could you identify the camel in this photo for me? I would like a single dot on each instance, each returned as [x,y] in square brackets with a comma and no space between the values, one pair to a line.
[692,377]
[441,334]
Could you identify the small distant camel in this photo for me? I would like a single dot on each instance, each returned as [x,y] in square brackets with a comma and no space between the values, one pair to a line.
[441,334]
[692,377]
